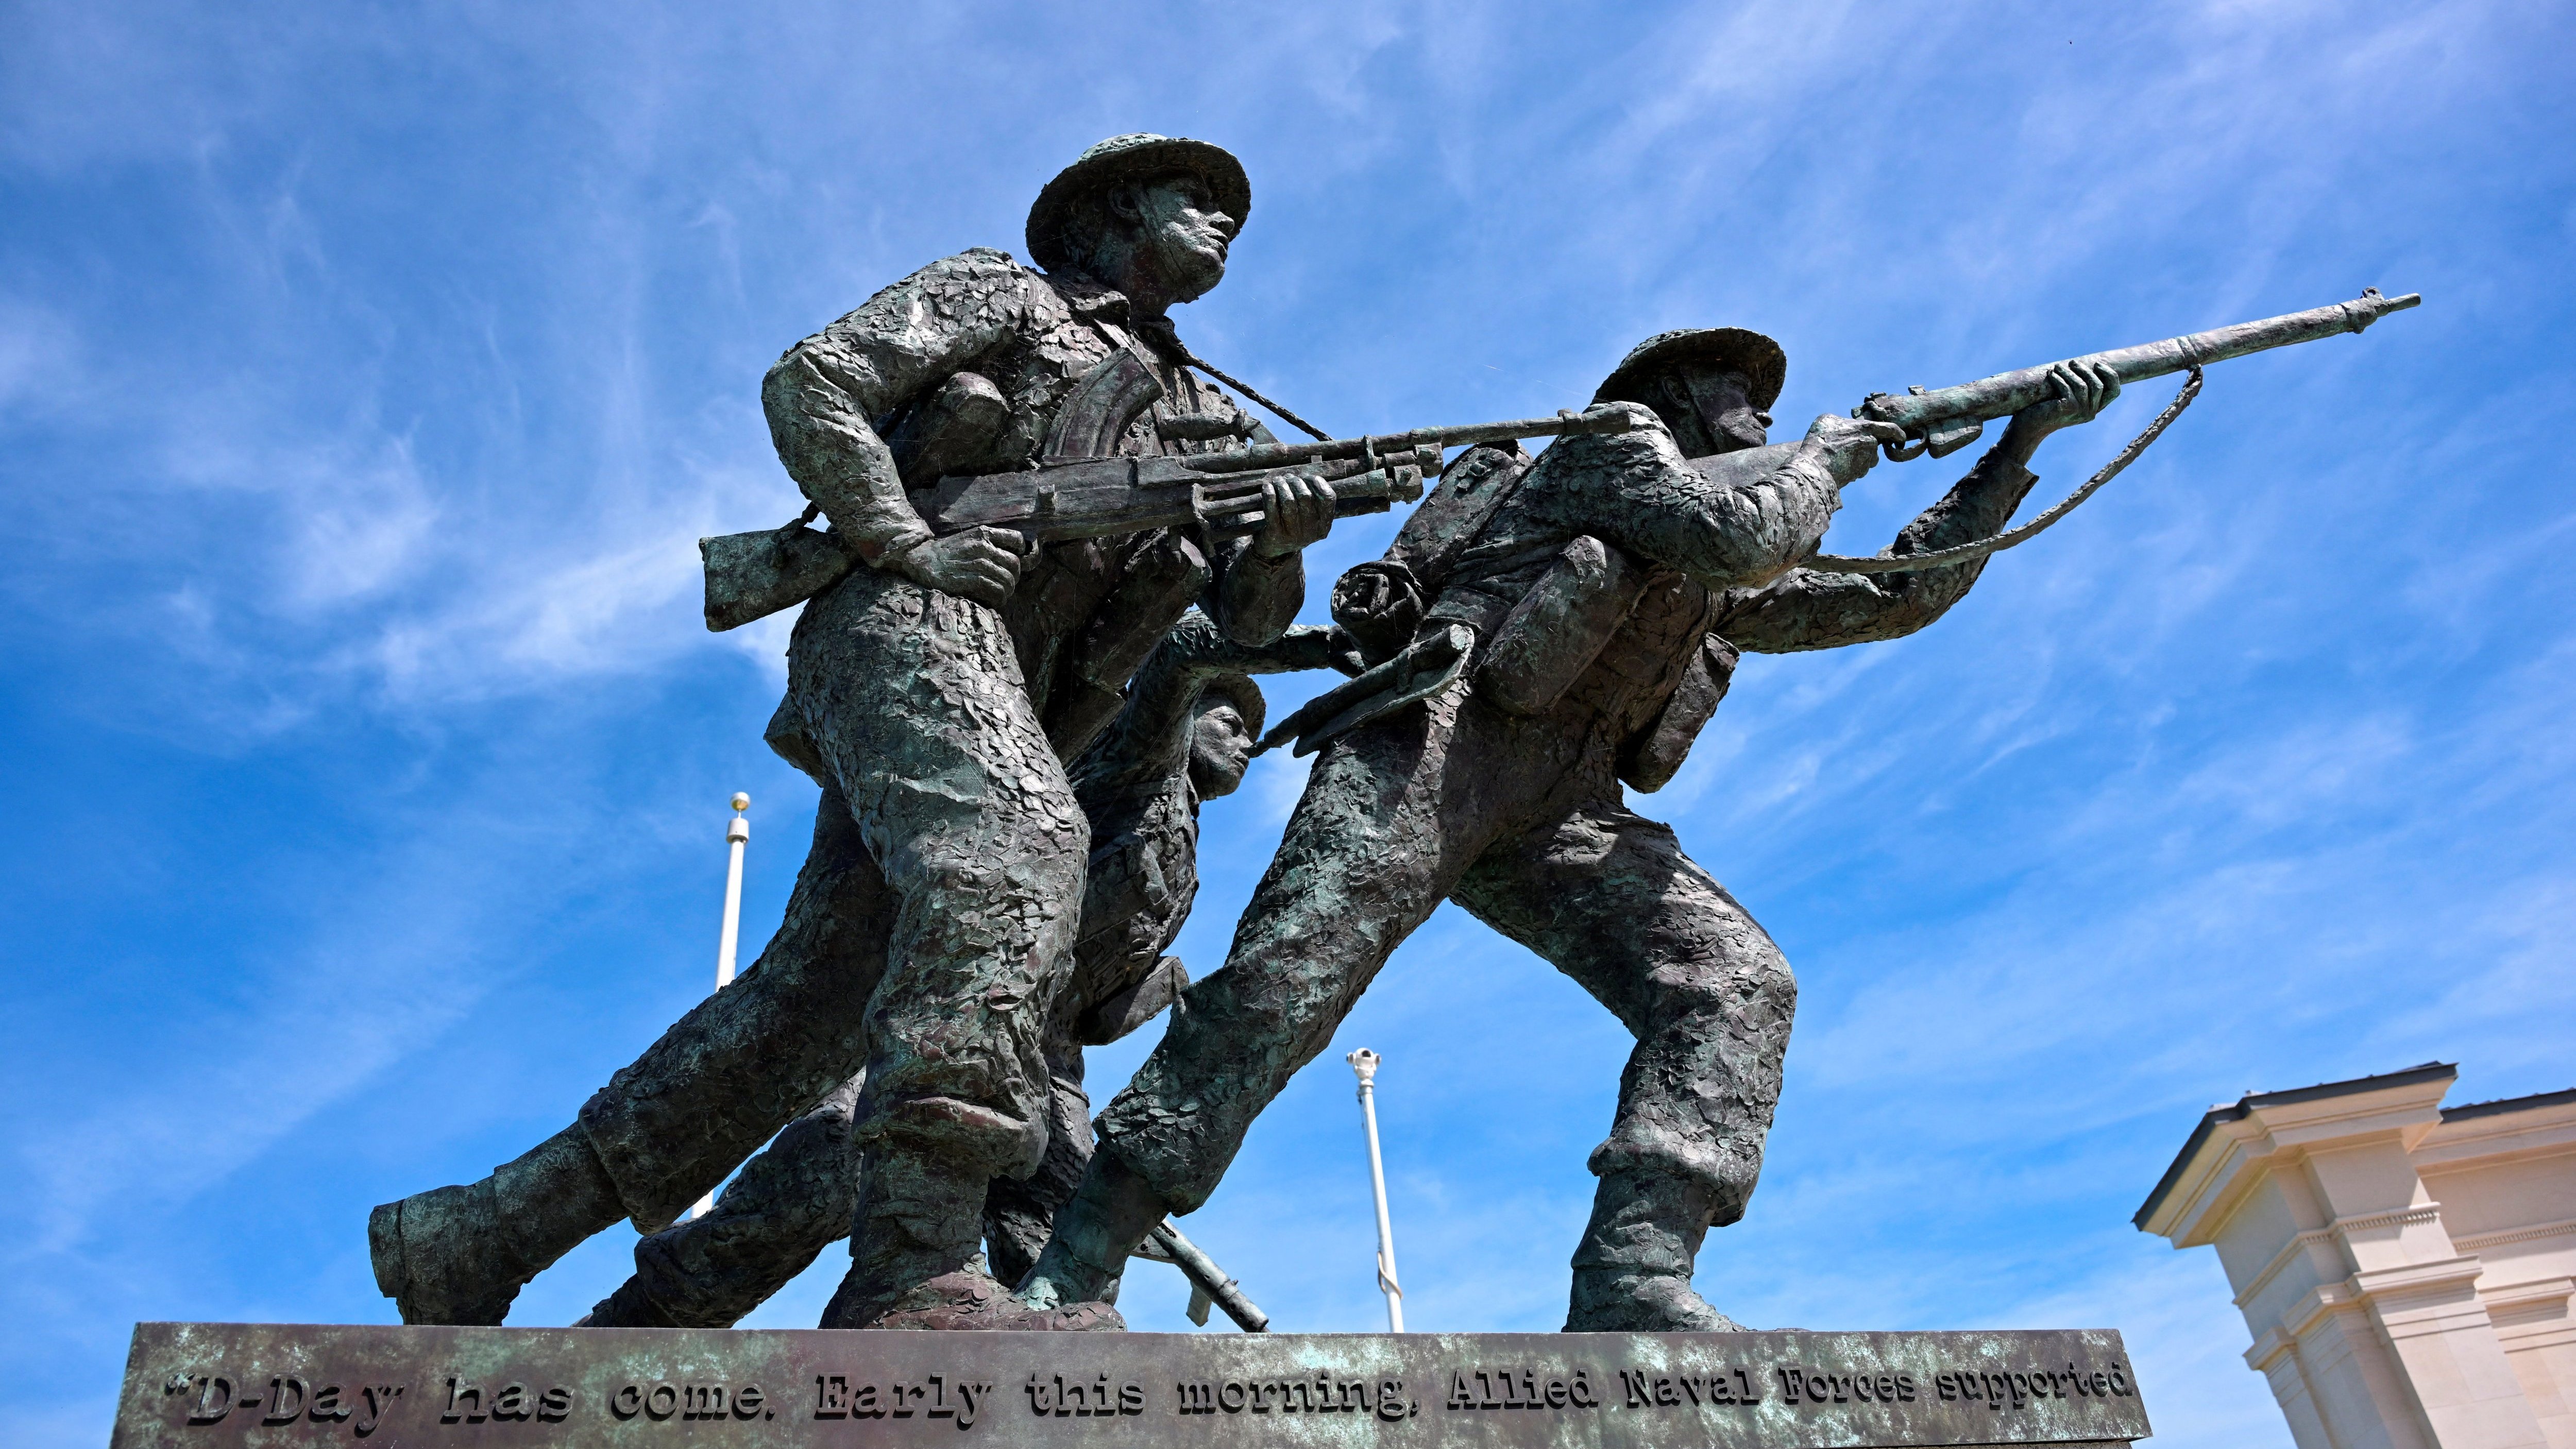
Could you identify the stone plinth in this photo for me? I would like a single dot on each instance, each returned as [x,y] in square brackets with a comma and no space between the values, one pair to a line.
[216,1384]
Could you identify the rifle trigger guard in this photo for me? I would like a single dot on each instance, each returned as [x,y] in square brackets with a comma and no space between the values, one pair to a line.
[1905,452]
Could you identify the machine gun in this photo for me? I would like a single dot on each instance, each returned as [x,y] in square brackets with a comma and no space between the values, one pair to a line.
[750,575]
[1947,419]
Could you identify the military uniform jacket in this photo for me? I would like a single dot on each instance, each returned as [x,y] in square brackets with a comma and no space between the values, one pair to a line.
[1680,541]
[981,325]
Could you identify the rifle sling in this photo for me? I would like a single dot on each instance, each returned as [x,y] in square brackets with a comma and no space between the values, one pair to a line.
[1980,548]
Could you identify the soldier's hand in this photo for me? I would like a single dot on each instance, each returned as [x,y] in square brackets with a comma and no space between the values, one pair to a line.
[2077,393]
[982,564]
[1295,511]
[1850,445]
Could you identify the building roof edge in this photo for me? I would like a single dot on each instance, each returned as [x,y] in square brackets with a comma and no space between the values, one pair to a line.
[2245,1105]
[2503,1105]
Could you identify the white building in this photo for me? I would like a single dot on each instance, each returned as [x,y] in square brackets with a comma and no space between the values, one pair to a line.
[2404,1266]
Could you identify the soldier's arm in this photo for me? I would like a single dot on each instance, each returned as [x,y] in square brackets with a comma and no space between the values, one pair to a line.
[1149,742]
[1253,598]
[1811,609]
[825,395]
[1257,584]
[1634,490]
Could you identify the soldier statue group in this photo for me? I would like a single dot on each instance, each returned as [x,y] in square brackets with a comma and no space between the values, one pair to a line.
[1013,728]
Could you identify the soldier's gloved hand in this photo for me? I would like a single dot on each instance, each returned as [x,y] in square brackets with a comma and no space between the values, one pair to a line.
[1850,445]
[1295,511]
[1640,417]
[982,564]
[2077,393]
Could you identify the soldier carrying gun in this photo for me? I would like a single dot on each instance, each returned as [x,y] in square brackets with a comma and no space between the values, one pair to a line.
[1541,633]
[934,687]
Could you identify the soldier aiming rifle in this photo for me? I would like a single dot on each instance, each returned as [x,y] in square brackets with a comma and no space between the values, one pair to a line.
[1541,633]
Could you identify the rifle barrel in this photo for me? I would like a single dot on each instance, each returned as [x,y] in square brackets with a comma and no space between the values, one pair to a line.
[2006,393]
[1279,455]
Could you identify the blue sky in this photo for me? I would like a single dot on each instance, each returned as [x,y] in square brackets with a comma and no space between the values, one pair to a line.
[368,372]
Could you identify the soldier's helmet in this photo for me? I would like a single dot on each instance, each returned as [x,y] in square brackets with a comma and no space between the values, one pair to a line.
[1759,358]
[1060,225]
[1238,690]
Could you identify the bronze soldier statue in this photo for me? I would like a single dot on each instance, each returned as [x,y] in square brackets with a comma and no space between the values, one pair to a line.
[1184,736]
[1540,633]
[933,692]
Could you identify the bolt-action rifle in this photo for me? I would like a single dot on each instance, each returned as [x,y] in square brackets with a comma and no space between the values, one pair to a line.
[750,575]
[1944,420]
[1947,419]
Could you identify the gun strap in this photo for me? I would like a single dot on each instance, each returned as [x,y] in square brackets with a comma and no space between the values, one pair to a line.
[1172,335]
[1907,563]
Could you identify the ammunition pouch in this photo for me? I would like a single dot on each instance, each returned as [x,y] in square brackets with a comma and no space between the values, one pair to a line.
[1556,630]
[1650,758]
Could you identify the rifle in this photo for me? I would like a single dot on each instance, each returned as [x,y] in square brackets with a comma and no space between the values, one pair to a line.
[1947,419]
[750,575]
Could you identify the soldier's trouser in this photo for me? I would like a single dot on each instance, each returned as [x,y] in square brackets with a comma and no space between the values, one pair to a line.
[914,703]
[1607,897]
[796,1198]
[1521,818]
[774,1219]
[959,854]
[747,1060]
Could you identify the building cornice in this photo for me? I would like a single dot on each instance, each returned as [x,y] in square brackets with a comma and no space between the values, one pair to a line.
[2336,1232]
[2196,1189]
[2476,1242]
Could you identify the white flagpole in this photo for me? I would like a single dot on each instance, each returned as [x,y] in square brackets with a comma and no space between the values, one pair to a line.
[737,832]
[1365,1062]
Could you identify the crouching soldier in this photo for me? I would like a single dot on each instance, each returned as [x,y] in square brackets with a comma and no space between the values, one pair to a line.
[1184,736]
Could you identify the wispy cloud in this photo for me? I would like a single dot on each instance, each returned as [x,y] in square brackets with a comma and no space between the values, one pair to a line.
[366,380]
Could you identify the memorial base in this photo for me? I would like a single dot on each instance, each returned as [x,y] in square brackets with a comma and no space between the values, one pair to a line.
[247,1384]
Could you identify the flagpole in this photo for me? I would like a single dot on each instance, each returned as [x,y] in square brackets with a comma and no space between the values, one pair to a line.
[1365,1063]
[737,833]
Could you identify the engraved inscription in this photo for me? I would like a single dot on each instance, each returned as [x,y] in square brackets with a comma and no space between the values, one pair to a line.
[1645,1389]
[936,1396]
[2018,1390]
[1078,1399]
[210,1400]
[1520,1388]
[686,1401]
[1798,1385]
[222,1385]
[1322,1394]
[510,1403]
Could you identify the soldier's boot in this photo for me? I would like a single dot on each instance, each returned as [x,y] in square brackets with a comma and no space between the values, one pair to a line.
[1633,1272]
[1094,1234]
[631,1306]
[915,1260]
[461,1254]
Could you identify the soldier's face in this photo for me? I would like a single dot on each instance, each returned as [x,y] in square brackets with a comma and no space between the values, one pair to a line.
[1721,400]
[1220,749]
[1184,235]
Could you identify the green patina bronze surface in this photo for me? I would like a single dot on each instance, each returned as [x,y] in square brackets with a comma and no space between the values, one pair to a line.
[264,1385]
